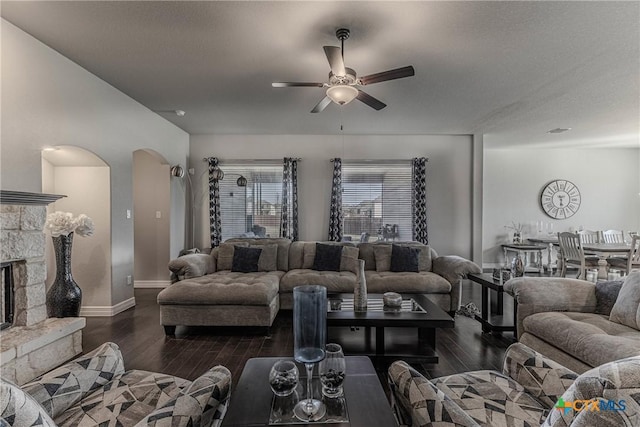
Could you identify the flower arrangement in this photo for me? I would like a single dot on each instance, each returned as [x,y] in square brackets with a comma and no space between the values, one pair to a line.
[63,223]
[515,226]
[517,231]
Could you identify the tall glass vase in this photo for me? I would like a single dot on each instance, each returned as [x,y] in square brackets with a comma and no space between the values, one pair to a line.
[309,340]
[360,289]
[65,296]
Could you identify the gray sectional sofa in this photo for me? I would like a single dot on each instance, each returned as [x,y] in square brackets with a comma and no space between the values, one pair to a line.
[208,293]
[577,323]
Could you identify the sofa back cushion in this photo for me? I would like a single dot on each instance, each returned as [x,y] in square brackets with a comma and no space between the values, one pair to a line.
[626,310]
[377,255]
[282,252]
[302,255]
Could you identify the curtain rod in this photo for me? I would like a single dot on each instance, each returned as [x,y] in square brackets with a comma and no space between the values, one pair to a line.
[378,161]
[206,159]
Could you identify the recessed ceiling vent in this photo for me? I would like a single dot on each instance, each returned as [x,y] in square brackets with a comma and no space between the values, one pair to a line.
[559,130]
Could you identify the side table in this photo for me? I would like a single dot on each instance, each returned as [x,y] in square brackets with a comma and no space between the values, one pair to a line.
[498,322]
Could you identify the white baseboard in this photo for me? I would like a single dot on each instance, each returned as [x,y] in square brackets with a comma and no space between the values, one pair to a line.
[105,310]
[151,283]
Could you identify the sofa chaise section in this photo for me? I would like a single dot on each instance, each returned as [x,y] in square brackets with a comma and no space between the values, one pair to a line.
[210,294]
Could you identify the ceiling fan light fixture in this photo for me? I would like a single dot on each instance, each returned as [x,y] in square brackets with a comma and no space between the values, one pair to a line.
[342,94]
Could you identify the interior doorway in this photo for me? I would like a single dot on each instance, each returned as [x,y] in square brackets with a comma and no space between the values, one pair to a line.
[86,181]
[151,219]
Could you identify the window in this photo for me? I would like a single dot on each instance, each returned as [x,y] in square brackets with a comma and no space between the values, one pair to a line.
[256,207]
[376,200]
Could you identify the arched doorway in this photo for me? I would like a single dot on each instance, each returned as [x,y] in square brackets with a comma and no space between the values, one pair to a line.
[151,219]
[86,181]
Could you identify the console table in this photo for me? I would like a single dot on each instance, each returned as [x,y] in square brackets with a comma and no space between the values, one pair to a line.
[367,404]
[524,248]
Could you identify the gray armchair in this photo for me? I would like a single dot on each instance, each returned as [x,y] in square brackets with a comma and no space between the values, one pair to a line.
[95,390]
[531,390]
[570,321]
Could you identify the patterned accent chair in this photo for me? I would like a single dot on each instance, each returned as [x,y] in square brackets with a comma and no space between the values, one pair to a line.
[95,390]
[531,390]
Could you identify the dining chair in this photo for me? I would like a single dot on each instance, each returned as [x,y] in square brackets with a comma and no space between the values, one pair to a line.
[612,236]
[572,253]
[632,260]
[588,236]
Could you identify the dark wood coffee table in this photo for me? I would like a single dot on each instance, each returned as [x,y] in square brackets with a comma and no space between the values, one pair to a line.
[367,404]
[410,333]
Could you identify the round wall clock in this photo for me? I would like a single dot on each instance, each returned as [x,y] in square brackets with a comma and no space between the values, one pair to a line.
[560,199]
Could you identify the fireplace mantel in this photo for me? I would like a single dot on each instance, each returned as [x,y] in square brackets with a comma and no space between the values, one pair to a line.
[8,197]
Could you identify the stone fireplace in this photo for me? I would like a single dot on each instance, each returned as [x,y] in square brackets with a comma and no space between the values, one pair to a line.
[32,344]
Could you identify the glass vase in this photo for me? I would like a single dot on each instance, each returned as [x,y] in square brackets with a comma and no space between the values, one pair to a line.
[283,377]
[309,341]
[332,371]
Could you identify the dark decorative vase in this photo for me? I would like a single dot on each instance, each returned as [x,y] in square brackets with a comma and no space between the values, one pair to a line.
[65,296]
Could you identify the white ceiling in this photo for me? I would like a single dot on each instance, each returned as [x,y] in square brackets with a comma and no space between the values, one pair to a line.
[510,70]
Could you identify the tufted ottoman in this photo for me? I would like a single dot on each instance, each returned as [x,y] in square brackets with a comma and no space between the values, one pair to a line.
[224,299]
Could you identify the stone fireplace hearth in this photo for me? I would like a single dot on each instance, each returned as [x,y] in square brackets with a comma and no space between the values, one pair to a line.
[33,344]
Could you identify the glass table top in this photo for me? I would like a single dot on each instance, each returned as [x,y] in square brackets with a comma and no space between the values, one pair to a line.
[409,305]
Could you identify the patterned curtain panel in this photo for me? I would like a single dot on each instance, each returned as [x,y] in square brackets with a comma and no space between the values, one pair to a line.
[289,218]
[336,222]
[215,221]
[419,200]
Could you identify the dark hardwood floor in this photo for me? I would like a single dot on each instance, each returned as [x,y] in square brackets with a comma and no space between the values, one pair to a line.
[193,350]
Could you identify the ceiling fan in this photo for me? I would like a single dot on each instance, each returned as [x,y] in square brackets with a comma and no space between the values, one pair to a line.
[343,81]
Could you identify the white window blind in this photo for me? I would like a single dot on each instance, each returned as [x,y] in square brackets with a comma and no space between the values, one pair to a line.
[255,208]
[376,200]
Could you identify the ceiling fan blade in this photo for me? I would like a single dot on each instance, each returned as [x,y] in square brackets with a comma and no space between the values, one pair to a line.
[398,73]
[321,105]
[296,84]
[334,56]
[372,102]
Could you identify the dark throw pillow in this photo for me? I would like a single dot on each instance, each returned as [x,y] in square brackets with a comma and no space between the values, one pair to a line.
[404,258]
[606,296]
[327,257]
[245,260]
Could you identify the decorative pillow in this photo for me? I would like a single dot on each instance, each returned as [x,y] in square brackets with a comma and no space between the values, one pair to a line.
[349,259]
[20,409]
[404,258]
[382,254]
[268,258]
[606,295]
[327,257]
[626,310]
[225,255]
[245,260]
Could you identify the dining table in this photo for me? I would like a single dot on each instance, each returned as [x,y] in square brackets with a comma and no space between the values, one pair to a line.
[603,251]
[549,240]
